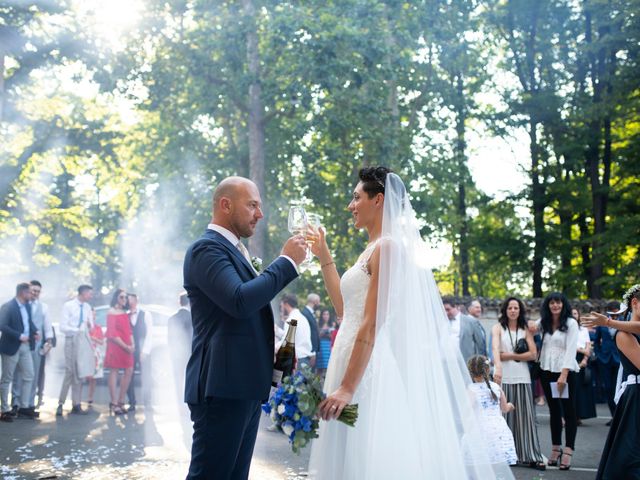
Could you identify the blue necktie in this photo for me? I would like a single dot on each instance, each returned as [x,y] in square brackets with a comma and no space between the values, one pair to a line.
[81,314]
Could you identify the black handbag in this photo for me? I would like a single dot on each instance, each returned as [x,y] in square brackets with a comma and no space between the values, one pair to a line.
[521,346]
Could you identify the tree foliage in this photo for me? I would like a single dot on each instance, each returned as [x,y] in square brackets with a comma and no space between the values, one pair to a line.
[299,96]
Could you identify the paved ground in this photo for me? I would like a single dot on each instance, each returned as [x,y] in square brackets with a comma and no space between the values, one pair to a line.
[153,445]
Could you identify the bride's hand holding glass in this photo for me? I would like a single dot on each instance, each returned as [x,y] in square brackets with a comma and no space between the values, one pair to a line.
[318,242]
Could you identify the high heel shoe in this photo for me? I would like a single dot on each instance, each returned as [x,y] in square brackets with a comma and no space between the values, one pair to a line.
[565,466]
[554,463]
[115,409]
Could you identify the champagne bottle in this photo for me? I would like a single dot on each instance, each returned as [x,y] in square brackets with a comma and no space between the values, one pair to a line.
[285,358]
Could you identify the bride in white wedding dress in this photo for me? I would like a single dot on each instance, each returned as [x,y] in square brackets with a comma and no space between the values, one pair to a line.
[393,356]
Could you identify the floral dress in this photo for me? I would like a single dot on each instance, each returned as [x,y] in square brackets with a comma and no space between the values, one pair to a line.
[500,444]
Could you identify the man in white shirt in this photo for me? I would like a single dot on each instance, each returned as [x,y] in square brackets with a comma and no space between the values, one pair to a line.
[76,315]
[466,330]
[40,318]
[141,326]
[289,310]
[313,302]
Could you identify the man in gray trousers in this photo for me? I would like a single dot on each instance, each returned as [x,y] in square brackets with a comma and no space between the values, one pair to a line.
[19,336]
[40,318]
[75,313]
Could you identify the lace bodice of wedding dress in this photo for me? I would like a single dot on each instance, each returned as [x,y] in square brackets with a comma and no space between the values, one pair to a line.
[333,455]
[354,286]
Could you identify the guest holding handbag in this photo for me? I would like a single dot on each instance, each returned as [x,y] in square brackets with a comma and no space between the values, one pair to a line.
[558,369]
[512,347]
[119,350]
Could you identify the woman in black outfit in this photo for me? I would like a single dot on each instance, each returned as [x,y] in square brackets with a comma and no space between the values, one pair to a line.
[621,455]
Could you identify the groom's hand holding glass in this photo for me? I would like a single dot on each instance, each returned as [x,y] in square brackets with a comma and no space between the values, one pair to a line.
[295,248]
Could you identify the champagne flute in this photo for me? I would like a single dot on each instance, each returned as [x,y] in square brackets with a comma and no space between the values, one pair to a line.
[298,225]
[315,221]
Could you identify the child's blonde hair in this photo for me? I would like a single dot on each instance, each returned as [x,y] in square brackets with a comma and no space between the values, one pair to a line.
[478,366]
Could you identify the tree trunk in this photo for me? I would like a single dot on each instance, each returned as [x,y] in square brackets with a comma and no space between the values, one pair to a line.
[256,122]
[565,246]
[538,204]
[585,251]
[460,147]
[598,155]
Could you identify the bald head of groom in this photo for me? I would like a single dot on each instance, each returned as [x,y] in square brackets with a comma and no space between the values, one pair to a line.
[237,206]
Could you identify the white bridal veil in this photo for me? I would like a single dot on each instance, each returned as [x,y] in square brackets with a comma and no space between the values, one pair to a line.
[422,422]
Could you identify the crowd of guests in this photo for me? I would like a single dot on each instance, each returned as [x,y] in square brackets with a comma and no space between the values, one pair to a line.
[316,330]
[551,360]
[518,362]
[27,337]
[572,365]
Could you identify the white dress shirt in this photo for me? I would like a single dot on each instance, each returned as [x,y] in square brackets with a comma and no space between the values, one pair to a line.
[235,240]
[303,334]
[583,337]
[454,327]
[559,349]
[148,321]
[69,323]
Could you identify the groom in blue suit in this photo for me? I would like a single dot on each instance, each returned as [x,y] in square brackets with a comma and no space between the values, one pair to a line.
[230,369]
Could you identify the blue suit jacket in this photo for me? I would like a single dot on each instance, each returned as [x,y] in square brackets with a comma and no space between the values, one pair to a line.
[233,343]
[605,346]
[11,328]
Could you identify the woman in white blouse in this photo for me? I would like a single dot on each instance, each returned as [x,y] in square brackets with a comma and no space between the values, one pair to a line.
[558,364]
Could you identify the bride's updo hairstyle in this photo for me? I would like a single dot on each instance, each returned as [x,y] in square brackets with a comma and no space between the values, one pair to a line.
[373,179]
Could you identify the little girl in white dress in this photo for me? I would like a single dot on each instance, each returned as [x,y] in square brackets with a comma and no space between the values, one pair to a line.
[491,405]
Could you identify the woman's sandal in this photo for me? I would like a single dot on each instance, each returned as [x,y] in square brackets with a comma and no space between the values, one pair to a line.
[564,466]
[554,463]
[538,465]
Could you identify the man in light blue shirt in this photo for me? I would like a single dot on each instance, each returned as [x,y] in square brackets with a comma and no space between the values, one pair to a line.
[76,314]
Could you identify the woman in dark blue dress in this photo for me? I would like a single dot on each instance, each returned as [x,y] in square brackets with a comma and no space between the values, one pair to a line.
[621,454]
[584,398]
[326,328]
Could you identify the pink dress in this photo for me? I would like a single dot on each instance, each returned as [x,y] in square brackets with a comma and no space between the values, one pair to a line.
[118,325]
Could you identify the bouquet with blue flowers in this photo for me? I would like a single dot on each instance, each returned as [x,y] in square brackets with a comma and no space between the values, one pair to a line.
[294,407]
